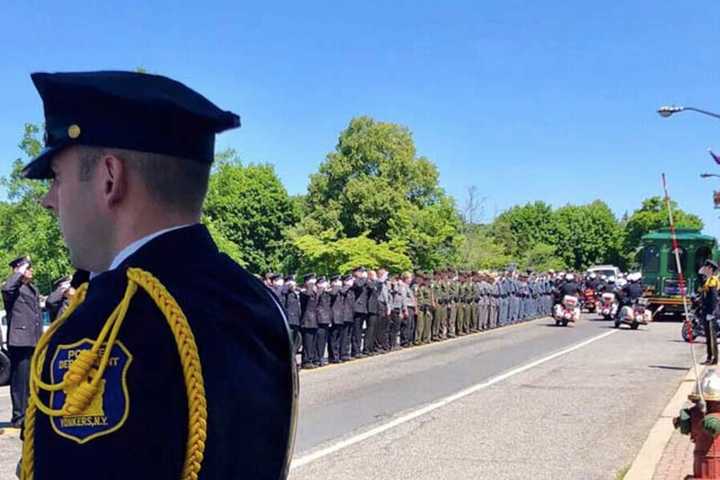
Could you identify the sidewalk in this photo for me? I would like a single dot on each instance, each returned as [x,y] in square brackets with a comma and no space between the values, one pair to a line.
[677,459]
[667,454]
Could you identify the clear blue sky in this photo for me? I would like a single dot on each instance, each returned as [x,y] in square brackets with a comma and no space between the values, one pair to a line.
[526,100]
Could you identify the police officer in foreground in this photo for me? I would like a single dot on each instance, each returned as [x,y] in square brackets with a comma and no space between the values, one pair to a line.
[24,327]
[710,303]
[172,352]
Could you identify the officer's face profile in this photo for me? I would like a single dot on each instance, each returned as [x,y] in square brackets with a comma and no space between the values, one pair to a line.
[82,195]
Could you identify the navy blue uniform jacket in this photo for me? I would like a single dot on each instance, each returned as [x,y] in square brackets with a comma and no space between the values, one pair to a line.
[248,373]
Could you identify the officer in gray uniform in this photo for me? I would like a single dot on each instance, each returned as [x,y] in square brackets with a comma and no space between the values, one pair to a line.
[382,336]
[407,329]
[399,310]
[495,303]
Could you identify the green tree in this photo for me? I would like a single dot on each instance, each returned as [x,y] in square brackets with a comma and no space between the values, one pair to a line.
[374,184]
[249,206]
[542,257]
[28,228]
[653,214]
[521,227]
[587,234]
[327,256]
[481,251]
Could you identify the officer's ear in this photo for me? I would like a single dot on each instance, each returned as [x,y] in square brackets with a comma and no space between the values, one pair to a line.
[113,173]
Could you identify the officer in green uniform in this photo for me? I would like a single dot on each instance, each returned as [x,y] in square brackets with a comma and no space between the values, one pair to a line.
[459,287]
[468,304]
[431,304]
[441,311]
[451,293]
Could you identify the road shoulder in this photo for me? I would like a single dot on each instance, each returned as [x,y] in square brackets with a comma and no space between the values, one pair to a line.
[655,456]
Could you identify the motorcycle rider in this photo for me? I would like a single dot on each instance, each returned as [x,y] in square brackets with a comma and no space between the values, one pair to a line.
[602,284]
[710,303]
[609,286]
[569,287]
[629,293]
[633,290]
[593,282]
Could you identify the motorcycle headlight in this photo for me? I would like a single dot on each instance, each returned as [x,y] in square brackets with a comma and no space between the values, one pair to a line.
[643,301]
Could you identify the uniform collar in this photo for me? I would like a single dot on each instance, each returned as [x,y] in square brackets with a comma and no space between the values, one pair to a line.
[135,246]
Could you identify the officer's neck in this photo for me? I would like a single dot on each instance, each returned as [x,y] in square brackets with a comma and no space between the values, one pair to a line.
[131,228]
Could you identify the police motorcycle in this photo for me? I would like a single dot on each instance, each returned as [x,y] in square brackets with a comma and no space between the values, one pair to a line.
[590,294]
[567,311]
[589,300]
[635,315]
[636,310]
[567,307]
[608,305]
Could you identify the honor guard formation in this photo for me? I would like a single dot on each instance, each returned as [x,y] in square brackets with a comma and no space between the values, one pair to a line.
[164,359]
[370,312]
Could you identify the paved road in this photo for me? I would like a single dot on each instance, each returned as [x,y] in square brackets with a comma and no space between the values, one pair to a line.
[581,415]
[9,440]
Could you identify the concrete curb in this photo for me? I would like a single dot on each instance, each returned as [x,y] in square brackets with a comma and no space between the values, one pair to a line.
[643,467]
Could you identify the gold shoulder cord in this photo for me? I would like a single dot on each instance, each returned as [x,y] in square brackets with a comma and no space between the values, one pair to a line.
[81,373]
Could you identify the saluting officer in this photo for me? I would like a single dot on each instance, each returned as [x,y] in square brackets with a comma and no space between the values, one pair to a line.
[370,341]
[59,298]
[24,327]
[360,310]
[172,352]
[291,301]
[324,319]
[337,308]
[309,298]
[349,316]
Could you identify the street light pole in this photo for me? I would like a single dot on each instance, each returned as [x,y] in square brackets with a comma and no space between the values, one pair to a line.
[666,111]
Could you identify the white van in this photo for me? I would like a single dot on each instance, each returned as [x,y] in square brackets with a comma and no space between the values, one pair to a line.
[607,270]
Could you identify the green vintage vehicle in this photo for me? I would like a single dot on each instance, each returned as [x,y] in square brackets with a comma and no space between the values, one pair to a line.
[659,268]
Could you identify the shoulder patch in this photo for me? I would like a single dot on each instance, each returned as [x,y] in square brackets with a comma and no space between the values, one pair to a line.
[108,410]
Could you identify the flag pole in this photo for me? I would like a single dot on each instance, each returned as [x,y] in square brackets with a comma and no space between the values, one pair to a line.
[683,290]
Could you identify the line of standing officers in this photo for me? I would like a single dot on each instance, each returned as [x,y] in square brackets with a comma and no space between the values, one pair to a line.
[370,312]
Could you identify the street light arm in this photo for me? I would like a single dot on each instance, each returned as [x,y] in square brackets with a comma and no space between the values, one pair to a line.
[705,112]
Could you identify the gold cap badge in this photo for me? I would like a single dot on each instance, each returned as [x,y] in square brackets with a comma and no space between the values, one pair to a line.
[73,131]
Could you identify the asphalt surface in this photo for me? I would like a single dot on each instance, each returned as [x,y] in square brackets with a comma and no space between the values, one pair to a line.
[580,415]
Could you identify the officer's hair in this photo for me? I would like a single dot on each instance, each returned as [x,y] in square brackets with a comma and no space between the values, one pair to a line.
[180,184]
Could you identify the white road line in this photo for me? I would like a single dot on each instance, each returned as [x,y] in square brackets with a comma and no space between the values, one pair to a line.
[311,457]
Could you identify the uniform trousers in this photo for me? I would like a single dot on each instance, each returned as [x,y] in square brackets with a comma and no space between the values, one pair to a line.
[369,344]
[407,328]
[309,350]
[381,332]
[334,343]
[19,381]
[357,332]
[394,328]
[322,337]
[710,341]
[451,319]
[345,341]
